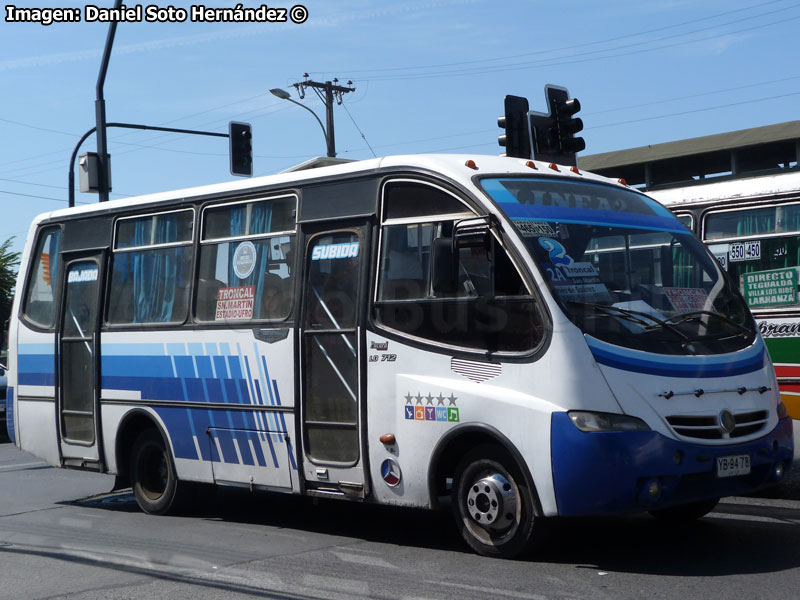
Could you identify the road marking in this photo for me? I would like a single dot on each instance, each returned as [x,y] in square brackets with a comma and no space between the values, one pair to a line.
[370,561]
[16,466]
[318,582]
[491,592]
[76,523]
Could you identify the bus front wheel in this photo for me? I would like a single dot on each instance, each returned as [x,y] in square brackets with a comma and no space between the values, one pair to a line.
[492,505]
[152,474]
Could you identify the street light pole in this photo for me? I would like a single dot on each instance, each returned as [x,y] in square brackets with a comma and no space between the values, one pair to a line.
[284,95]
[327,92]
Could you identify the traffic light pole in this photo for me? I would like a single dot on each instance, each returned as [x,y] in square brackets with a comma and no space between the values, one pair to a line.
[100,113]
[71,176]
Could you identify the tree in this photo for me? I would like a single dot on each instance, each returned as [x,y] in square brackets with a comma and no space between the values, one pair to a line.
[9,261]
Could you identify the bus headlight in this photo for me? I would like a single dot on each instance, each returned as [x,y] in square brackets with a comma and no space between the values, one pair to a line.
[597,421]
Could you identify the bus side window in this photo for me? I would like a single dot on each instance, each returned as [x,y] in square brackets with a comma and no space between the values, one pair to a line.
[42,279]
[151,269]
[246,261]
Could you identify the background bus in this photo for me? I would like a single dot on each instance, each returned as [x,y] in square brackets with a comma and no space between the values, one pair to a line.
[739,192]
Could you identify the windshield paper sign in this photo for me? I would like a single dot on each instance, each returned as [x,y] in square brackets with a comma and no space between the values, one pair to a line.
[770,288]
[576,281]
[686,300]
[235,303]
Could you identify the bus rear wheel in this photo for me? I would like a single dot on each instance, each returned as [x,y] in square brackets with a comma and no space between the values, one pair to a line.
[152,474]
[492,505]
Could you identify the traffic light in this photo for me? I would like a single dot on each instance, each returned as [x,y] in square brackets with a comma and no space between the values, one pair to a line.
[564,109]
[554,132]
[516,139]
[241,148]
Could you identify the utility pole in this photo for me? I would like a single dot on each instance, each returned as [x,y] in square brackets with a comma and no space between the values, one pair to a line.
[327,92]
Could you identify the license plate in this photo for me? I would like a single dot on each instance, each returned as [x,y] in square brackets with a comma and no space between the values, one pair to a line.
[731,466]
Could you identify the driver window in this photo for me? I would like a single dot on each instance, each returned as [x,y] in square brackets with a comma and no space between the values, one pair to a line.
[490,307]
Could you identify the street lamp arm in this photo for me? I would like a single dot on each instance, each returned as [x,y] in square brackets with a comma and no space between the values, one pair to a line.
[325,133]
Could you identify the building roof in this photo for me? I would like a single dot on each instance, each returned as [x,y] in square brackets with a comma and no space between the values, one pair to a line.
[746,150]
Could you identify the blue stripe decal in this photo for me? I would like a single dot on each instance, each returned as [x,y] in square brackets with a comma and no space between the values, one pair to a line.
[36,369]
[584,216]
[278,399]
[660,219]
[724,365]
[202,373]
[10,415]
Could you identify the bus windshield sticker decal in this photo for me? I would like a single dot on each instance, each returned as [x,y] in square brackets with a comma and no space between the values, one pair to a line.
[82,276]
[328,251]
[235,303]
[428,407]
[244,260]
[686,299]
[534,228]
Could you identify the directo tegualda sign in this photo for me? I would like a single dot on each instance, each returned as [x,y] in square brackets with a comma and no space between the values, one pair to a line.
[770,288]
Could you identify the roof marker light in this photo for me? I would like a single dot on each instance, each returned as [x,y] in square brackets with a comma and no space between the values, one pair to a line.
[554,166]
[471,164]
[531,165]
[575,170]
[622,181]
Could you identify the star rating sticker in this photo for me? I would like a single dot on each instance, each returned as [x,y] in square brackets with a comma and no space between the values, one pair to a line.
[418,398]
[452,399]
[409,398]
[440,399]
[429,399]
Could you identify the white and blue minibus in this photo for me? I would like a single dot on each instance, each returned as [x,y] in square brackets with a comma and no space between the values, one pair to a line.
[531,340]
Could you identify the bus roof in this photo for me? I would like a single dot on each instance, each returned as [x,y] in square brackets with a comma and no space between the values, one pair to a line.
[449,165]
[731,189]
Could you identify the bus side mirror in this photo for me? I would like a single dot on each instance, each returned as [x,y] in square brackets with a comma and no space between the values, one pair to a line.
[443,266]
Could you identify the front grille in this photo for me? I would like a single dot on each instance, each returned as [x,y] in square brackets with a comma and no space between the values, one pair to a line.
[706,427]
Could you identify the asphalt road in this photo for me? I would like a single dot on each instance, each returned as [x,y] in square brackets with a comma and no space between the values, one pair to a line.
[63,536]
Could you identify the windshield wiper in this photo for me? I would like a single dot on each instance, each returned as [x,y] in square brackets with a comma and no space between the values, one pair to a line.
[696,315]
[634,316]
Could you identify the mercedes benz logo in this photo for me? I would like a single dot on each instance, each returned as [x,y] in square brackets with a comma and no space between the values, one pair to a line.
[727,422]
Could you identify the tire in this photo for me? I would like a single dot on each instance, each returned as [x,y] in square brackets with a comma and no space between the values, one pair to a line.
[493,507]
[685,512]
[152,474]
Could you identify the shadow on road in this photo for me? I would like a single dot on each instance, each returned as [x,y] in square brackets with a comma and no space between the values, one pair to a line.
[739,537]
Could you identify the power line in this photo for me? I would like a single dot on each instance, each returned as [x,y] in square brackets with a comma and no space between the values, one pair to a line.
[552,62]
[344,106]
[697,110]
[571,47]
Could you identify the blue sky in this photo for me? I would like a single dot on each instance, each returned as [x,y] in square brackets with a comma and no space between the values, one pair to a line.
[430,76]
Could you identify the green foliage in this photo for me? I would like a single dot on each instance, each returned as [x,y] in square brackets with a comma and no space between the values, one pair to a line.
[9,261]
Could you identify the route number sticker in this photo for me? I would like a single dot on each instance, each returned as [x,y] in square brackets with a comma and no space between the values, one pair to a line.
[741,251]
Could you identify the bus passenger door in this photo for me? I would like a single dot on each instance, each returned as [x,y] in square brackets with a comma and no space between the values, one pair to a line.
[330,349]
[78,347]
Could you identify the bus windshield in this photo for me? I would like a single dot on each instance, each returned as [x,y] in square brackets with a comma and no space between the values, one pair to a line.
[623,268]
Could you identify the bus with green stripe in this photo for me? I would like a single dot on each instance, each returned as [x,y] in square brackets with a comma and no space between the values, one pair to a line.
[752,226]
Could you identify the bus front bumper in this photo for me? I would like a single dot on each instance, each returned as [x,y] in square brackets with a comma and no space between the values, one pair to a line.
[605,473]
